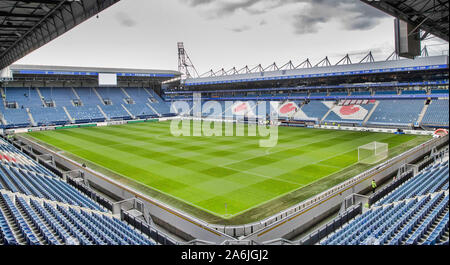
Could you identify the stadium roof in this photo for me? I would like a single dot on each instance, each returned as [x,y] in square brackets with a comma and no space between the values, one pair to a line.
[29,24]
[38,72]
[418,64]
[75,70]
[432,16]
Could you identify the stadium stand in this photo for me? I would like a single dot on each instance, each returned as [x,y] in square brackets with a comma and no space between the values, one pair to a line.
[386,92]
[430,180]
[437,114]
[140,110]
[115,112]
[114,94]
[181,107]
[15,117]
[60,95]
[338,93]
[315,109]
[361,93]
[157,103]
[26,97]
[139,95]
[319,94]
[28,106]
[413,92]
[46,116]
[37,208]
[88,96]
[439,91]
[299,94]
[83,114]
[397,112]
[99,104]
[416,212]
[349,113]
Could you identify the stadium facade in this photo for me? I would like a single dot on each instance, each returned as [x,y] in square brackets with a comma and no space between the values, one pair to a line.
[422,83]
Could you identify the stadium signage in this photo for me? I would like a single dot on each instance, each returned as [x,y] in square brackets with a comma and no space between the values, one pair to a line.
[43,72]
[441,82]
[419,96]
[145,75]
[40,72]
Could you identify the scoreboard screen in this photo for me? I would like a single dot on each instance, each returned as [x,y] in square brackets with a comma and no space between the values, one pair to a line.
[107,79]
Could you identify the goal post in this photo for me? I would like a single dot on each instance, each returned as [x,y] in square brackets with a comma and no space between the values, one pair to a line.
[372,153]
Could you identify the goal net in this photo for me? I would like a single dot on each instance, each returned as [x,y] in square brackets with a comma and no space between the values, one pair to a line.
[372,153]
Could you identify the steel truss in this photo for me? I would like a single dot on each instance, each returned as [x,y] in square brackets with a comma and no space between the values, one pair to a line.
[368,58]
[431,16]
[29,24]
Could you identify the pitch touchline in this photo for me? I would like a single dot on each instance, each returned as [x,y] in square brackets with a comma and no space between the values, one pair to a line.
[195,205]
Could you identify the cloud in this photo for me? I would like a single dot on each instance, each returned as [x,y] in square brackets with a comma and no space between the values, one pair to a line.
[241,29]
[221,8]
[306,16]
[125,20]
[197,2]
[350,14]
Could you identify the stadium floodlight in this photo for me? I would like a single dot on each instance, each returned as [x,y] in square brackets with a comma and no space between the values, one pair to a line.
[372,153]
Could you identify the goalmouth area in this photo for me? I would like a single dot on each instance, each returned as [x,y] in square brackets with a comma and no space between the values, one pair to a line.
[227,180]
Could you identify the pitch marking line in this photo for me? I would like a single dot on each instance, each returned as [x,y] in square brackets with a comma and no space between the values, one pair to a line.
[300,187]
[263,176]
[193,204]
[282,150]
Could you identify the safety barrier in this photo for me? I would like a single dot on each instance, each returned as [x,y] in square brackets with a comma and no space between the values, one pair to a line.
[332,226]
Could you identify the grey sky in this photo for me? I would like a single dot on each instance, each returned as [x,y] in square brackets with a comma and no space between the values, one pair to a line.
[223,33]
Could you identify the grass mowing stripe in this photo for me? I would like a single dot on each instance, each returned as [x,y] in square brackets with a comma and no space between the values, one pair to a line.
[165,183]
[94,139]
[110,158]
[188,168]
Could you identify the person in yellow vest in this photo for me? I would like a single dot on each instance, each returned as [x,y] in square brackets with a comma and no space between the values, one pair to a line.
[374,186]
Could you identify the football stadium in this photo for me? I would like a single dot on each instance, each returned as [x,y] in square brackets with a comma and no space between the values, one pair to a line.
[352,152]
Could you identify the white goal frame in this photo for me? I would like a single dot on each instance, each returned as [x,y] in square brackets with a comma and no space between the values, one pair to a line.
[380,151]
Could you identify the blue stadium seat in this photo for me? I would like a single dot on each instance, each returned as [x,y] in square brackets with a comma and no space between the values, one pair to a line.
[45,210]
[437,114]
[415,213]
[396,112]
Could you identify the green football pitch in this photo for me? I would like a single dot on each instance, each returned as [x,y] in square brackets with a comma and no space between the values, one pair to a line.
[223,177]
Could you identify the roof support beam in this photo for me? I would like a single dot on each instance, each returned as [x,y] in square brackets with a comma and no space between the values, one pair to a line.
[410,15]
[9,14]
[63,16]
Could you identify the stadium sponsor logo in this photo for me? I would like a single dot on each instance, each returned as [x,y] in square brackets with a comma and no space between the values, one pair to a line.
[349,110]
[241,107]
[288,108]
[227,118]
